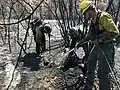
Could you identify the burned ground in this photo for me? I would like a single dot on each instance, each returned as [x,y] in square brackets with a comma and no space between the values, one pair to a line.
[43,73]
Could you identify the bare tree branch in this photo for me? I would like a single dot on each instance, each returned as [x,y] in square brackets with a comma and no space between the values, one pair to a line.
[27,16]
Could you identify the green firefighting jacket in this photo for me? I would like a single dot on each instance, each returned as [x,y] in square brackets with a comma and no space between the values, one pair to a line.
[103,28]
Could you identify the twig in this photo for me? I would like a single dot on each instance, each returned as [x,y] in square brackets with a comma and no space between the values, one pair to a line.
[21,47]
[109,5]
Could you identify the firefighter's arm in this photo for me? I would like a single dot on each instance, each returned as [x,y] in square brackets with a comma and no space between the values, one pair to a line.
[106,37]
[111,30]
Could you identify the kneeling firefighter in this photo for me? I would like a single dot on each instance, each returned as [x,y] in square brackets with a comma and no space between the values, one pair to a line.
[102,33]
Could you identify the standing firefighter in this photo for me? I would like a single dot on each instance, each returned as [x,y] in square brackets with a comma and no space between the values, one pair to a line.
[39,29]
[102,33]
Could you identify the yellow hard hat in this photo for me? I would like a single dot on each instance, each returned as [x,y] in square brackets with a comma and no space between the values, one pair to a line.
[84,5]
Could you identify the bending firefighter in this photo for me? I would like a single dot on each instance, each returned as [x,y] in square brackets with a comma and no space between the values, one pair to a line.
[102,33]
[39,29]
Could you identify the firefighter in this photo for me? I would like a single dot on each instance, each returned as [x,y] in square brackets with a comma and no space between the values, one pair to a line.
[33,27]
[75,34]
[102,33]
[39,29]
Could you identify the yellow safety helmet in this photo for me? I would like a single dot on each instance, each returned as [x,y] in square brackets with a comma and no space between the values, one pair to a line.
[84,5]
